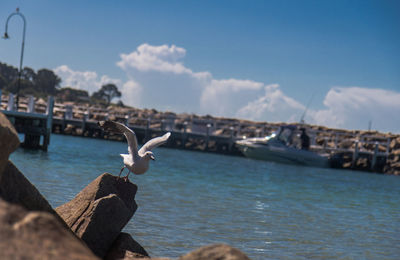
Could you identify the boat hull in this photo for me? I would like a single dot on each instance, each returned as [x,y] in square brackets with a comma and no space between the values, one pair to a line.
[283,154]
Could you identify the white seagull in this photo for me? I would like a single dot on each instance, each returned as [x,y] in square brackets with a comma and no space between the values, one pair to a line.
[136,161]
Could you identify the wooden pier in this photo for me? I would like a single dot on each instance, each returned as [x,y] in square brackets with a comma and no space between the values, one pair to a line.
[181,138]
[36,127]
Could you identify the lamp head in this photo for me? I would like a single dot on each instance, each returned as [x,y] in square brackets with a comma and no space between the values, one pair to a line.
[6,36]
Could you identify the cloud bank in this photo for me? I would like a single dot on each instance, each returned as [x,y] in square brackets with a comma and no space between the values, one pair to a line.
[354,107]
[158,78]
[85,80]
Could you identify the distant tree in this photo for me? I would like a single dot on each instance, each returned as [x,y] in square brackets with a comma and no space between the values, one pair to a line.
[40,84]
[26,87]
[47,82]
[8,74]
[107,93]
[28,74]
[71,94]
[120,103]
[3,83]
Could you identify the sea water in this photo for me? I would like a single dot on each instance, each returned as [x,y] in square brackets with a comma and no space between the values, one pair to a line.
[268,210]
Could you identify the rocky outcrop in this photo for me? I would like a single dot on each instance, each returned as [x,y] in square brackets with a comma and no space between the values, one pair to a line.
[9,141]
[36,235]
[393,161]
[100,211]
[125,247]
[15,188]
[215,252]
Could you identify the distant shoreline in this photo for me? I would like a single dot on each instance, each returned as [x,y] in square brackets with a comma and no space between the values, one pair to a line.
[212,134]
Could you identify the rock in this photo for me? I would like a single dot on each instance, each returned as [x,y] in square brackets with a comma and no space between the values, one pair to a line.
[215,252]
[100,211]
[362,163]
[395,144]
[9,141]
[15,188]
[125,247]
[37,235]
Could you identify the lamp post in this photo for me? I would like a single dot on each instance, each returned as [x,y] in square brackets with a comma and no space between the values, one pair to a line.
[22,47]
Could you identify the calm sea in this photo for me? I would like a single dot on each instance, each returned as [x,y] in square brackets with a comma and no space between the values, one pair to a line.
[267,210]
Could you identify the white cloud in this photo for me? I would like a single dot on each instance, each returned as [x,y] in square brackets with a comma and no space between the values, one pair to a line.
[273,106]
[167,84]
[354,107]
[85,80]
[155,58]
[223,97]
[131,92]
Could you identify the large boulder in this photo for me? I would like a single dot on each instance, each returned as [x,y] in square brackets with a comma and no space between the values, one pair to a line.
[9,141]
[215,252]
[125,247]
[100,211]
[15,188]
[37,235]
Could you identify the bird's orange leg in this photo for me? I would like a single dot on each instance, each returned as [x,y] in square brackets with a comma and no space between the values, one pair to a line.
[122,169]
[126,177]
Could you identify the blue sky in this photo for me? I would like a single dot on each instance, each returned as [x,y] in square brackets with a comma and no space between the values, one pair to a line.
[260,60]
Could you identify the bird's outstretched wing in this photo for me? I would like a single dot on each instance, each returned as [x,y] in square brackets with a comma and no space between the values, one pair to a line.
[120,128]
[153,143]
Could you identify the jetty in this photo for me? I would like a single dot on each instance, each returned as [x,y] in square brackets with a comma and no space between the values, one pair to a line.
[193,134]
[37,119]
[34,122]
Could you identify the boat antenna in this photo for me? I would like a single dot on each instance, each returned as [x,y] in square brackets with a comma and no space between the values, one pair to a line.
[305,110]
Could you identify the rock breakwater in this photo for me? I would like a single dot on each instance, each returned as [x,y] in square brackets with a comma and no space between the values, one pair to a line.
[203,133]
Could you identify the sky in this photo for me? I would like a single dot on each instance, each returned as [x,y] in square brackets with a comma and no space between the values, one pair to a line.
[259,60]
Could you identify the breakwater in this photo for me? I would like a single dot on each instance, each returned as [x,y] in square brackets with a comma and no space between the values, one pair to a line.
[361,150]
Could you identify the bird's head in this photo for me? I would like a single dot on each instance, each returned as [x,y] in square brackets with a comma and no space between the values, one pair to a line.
[149,155]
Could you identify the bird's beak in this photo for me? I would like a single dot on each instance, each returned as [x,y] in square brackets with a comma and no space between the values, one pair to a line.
[152,157]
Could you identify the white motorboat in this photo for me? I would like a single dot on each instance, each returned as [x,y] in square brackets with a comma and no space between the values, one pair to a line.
[281,147]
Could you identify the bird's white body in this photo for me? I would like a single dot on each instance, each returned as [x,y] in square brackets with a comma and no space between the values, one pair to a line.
[136,161]
[138,165]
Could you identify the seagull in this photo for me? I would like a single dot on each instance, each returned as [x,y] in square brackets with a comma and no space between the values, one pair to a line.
[136,161]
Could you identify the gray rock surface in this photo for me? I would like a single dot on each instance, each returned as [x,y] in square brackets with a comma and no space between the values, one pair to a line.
[98,213]
[37,235]
[215,252]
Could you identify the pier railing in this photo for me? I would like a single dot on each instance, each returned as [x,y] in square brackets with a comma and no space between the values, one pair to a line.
[32,120]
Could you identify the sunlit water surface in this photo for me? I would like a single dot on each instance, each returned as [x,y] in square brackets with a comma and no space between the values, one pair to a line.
[267,210]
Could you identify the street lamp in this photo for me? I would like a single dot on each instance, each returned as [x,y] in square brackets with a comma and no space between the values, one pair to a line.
[22,48]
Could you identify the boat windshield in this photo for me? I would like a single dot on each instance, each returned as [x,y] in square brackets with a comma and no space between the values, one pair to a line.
[285,134]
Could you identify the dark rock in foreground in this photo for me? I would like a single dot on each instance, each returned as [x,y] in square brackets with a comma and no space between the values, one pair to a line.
[9,141]
[125,247]
[215,252]
[100,211]
[37,235]
[15,188]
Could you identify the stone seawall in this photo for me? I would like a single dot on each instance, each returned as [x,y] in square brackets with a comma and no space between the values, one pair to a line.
[202,133]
